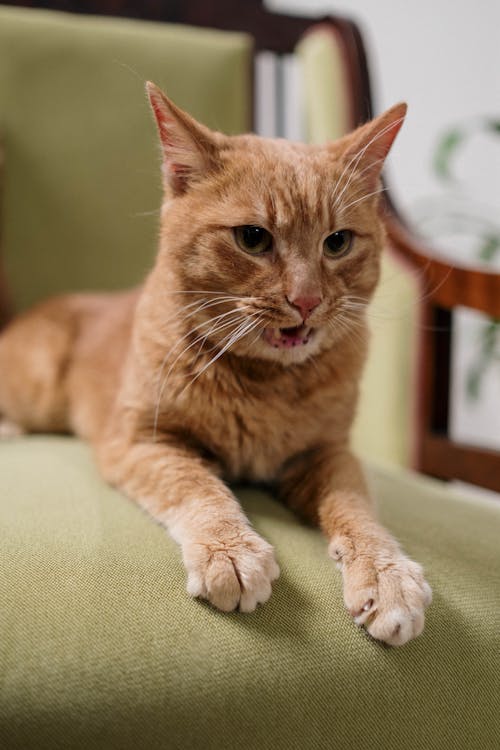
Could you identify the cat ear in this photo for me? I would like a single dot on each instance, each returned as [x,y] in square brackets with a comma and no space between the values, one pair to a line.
[189,148]
[368,146]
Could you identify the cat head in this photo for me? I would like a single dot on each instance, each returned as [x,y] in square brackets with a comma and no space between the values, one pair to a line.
[275,244]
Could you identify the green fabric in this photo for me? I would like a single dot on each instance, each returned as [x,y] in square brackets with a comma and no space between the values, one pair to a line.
[325,85]
[82,177]
[101,647]
[385,424]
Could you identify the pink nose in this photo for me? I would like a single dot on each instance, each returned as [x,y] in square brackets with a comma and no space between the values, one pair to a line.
[305,305]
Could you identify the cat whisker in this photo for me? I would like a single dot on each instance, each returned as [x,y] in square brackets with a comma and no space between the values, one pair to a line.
[259,333]
[247,317]
[204,305]
[240,332]
[375,313]
[216,346]
[363,197]
[370,166]
[216,327]
[356,307]
[193,291]
[208,291]
[359,310]
[354,173]
[216,330]
[359,155]
[189,305]
[347,327]
[354,298]
[351,323]
[410,309]
[379,134]
[379,320]
[357,316]
[214,320]
[418,276]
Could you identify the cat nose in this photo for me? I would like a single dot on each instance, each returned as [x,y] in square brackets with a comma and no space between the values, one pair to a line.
[305,305]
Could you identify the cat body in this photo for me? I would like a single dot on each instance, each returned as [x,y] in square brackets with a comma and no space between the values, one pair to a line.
[238,359]
[251,418]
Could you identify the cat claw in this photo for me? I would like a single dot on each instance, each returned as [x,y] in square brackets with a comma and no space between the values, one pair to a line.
[387,599]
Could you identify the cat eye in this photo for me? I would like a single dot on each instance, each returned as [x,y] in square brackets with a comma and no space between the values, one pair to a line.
[253,239]
[338,243]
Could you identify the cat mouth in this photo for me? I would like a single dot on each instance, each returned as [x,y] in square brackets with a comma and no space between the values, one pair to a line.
[286,338]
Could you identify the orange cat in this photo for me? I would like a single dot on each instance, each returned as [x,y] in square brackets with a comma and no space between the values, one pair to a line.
[239,358]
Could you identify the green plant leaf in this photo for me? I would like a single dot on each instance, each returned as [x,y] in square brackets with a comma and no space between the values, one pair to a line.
[490,336]
[488,354]
[445,149]
[490,246]
[493,125]
[473,382]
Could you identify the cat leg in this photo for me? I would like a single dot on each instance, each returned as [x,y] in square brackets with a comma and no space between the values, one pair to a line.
[226,561]
[384,590]
[9,430]
[34,352]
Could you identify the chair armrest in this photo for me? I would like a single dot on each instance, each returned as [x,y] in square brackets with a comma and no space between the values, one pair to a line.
[444,287]
[444,284]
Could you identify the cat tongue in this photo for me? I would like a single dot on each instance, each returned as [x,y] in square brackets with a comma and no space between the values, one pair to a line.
[285,338]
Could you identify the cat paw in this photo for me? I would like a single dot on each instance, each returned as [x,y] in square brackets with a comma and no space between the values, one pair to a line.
[9,429]
[233,573]
[385,593]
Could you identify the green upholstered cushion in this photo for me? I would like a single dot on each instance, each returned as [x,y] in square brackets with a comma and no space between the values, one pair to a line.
[100,647]
[385,424]
[82,176]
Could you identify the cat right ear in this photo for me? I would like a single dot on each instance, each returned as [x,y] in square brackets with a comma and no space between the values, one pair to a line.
[369,145]
[189,148]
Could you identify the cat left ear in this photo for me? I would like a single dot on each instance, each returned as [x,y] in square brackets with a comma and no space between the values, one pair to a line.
[369,145]
[189,148]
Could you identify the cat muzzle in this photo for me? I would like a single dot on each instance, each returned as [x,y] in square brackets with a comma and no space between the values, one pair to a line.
[286,338]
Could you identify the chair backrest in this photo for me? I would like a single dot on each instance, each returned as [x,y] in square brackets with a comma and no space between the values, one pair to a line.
[81,189]
[81,185]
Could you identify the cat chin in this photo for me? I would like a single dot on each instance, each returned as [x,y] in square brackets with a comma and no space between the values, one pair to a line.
[266,348]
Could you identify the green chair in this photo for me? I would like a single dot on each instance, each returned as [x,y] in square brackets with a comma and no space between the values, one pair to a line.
[100,647]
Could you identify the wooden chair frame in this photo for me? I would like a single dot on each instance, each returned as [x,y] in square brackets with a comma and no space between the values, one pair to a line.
[443,285]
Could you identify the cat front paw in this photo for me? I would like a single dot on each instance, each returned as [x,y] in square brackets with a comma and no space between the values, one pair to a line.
[233,572]
[386,593]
